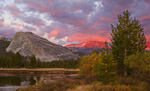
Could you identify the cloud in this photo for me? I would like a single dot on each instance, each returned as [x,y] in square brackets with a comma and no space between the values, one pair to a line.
[85,37]
[14,10]
[74,20]
[7,31]
[1,22]
[1,0]
[33,20]
[55,33]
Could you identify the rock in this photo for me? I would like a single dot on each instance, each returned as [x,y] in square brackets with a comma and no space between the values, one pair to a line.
[27,44]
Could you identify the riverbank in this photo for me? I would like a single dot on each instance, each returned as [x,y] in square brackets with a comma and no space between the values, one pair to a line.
[38,71]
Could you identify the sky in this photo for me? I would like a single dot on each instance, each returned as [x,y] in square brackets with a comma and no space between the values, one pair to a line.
[69,21]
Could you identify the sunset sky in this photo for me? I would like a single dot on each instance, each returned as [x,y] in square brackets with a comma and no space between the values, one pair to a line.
[69,21]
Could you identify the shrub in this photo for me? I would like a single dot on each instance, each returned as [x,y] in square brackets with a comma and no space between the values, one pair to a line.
[58,85]
[87,63]
[139,66]
[101,87]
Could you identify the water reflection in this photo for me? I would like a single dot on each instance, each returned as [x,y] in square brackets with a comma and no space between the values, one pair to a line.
[32,81]
[12,83]
[15,81]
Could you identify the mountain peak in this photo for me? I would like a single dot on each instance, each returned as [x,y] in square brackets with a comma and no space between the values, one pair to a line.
[27,44]
[148,46]
[88,44]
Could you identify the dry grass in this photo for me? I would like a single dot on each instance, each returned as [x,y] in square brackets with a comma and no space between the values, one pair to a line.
[101,87]
[38,69]
[58,85]
[78,85]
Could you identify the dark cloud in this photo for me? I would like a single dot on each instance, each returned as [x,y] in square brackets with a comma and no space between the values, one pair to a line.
[80,20]
[7,31]
[34,20]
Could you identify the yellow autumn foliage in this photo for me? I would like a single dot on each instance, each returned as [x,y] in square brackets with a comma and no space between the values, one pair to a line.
[87,63]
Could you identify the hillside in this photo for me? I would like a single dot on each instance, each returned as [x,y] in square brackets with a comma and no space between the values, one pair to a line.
[27,44]
[4,43]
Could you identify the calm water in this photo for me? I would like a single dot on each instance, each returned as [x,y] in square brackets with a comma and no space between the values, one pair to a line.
[12,83]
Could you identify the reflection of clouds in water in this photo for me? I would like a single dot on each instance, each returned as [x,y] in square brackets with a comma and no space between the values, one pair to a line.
[13,83]
[11,88]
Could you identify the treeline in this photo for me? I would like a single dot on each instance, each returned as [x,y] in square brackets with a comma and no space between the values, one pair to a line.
[61,64]
[17,61]
[36,63]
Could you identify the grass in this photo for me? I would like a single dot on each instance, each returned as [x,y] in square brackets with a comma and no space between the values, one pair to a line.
[58,85]
[38,69]
[80,85]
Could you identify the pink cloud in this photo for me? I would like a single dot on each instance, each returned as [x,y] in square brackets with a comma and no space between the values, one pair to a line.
[85,37]
[95,25]
[102,31]
[145,17]
[13,9]
[39,23]
[55,33]
[106,20]
[52,9]
[19,26]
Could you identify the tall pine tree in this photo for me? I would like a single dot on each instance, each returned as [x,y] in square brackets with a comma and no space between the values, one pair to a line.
[32,63]
[106,68]
[127,38]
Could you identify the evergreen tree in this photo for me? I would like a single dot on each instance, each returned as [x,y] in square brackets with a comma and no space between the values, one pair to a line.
[106,70]
[127,38]
[16,60]
[38,63]
[32,62]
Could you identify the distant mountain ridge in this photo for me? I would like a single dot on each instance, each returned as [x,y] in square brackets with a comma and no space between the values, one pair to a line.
[86,47]
[27,44]
[5,39]
[4,43]
[88,44]
[148,46]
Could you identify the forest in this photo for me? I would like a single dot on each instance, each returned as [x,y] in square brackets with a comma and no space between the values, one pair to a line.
[17,61]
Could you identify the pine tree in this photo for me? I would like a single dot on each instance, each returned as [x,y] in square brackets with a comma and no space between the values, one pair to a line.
[107,68]
[127,38]
[18,56]
[38,63]
[32,63]
[16,60]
